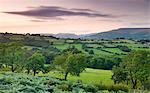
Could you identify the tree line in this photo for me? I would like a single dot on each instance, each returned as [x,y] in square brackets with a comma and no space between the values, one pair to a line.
[17,58]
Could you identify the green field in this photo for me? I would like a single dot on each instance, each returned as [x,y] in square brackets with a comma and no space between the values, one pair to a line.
[106,46]
[90,76]
[40,56]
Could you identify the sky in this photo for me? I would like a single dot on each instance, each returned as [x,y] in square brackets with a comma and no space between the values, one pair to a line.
[72,16]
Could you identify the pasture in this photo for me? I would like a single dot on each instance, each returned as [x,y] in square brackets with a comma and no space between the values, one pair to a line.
[89,76]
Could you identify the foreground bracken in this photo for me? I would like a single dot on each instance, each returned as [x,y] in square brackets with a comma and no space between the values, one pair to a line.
[22,83]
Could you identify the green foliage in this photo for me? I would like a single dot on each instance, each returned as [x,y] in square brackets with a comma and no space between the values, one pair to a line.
[94,76]
[72,49]
[90,88]
[119,75]
[70,63]
[36,62]
[21,83]
[49,54]
[91,52]
[114,88]
[32,41]
[76,64]
[11,55]
[124,48]
[103,63]
[134,70]
[39,54]
[47,68]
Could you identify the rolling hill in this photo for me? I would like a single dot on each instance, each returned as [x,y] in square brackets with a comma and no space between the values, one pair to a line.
[134,33]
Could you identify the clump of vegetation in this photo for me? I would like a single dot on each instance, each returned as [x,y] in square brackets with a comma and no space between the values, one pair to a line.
[36,62]
[21,83]
[42,55]
[115,88]
[134,70]
[124,48]
[70,63]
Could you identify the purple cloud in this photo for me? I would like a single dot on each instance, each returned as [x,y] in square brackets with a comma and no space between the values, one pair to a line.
[54,12]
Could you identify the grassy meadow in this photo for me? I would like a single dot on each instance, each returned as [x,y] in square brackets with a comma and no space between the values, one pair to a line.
[89,76]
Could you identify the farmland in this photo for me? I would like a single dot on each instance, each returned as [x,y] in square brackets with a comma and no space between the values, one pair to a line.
[89,76]
[90,65]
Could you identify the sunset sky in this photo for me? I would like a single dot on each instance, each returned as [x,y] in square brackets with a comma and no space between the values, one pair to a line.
[72,16]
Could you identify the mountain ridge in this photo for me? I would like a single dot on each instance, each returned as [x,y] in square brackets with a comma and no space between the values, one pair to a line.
[128,33]
[135,33]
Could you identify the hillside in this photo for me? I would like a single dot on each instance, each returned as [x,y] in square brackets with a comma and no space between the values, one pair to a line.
[135,33]
[66,35]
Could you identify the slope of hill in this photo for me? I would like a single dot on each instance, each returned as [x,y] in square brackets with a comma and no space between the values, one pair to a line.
[66,35]
[135,33]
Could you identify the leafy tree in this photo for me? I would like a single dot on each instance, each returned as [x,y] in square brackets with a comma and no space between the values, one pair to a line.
[119,75]
[124,48]
[47,68]
[134,69]
[49,55]
[27,54]
[91,52]
[13,54]
[3,52]
[70,63]
[103,62]
[83,46]
[36,62]
[72,50]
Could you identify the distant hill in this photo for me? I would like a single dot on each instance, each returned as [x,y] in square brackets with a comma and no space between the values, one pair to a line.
[66,35]
[134,33]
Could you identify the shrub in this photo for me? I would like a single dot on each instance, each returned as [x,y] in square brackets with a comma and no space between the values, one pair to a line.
[20,83]
[114,88]
[91,52]
[90,88]
[52,82]
[63,87]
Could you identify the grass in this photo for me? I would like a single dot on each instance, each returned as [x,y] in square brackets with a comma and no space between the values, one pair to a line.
[65,46]
[61,46]
[114,50]
[132,45]
[90,76]
[94,45]
[102,53]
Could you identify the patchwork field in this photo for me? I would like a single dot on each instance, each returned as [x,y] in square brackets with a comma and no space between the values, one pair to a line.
[36,64]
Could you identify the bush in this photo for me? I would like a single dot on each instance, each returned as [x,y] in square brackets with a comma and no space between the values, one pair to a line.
[20,83]
[91,88]
[124,48]
[91,52]
[114,88]
[64,87]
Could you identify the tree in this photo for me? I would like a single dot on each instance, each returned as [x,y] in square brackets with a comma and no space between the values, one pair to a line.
[98,62]
[27,54]
[49,55]
[91,52]
[13,55]
[3,52]
[72,49]
[83,46]
[36,62]
[70,63]
[124,48]
[119,75]
[134,69]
